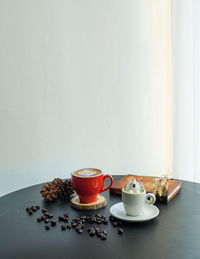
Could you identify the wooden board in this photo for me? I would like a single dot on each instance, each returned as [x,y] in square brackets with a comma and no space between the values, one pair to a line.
[174,186]
[100,203]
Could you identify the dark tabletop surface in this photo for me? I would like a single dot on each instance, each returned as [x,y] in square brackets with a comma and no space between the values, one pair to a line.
[174,234]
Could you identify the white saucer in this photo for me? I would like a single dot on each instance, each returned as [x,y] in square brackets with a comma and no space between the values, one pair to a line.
[148,212]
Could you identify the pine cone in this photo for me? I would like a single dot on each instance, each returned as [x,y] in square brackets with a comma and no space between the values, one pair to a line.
[49,191]
[65,189]
[56,181]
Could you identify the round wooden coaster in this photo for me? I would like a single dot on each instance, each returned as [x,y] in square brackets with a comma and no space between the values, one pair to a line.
[100,203]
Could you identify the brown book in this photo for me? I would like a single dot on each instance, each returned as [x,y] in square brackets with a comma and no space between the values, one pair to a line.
[174,186]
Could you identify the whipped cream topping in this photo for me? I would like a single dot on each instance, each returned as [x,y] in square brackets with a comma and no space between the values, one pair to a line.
[134,187]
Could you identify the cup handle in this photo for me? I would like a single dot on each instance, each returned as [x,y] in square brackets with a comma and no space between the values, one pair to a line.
[150,198]
[111,182]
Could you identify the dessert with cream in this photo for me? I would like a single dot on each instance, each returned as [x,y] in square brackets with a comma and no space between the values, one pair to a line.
[134,187]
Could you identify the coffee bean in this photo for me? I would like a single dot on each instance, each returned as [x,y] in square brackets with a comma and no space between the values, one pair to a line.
[28,208]
[120,231]
[105,221]
[65,220]
[96,230]
[103,237]
[34,209]
[60,218]
[63,227]
[30,212]
[39,220]
[80,231]
[99,222]
[104,232]
[47,227]
[46,214]
[66,215]
[111,218]
[50,215]
[83,217]
[69,227]
[42,218]
[37,207]
[73,224]
[46,221]
[99,234]
[53,222]
[44,210]
[115,224]
[91,233]
[78,227]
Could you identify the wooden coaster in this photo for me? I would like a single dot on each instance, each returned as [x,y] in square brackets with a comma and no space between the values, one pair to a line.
[100,203]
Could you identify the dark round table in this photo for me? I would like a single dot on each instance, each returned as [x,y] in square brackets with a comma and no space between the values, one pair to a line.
[175,233]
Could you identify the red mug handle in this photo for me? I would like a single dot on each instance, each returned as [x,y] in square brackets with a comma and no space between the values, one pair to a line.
[111,182]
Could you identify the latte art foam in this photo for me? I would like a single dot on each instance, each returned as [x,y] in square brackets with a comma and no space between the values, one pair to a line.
[87,172]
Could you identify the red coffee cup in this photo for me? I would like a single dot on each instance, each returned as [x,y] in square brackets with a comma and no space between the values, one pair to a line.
[88,183]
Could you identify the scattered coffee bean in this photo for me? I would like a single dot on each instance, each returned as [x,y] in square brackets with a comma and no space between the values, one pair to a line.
[65,220]
[63,227]
[104,232]
[39,220]
[69,227]
[44,210]
[46,214]
[111,218]
[115,224]
[105,221]
[80,231]
[53,222]
[66,215]
[78,227]
[92,233]
[46,221]
[37,207]
[34,209]
[99,234]
[60,218]
[28,208]
[73,224]
[120,231]
[103,237]
[50,215]
[30,212]
[47,227]
[96,230]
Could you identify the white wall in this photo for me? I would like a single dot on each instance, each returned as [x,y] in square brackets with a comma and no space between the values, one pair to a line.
[83,84]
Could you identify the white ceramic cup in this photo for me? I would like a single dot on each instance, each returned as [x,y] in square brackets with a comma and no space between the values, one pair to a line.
[134,202]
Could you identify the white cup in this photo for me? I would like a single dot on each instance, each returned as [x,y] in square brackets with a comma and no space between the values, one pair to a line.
[134,202]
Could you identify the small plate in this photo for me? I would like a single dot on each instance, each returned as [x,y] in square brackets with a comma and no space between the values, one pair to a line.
[148,212]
